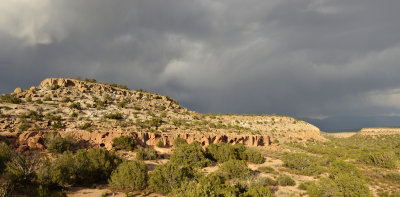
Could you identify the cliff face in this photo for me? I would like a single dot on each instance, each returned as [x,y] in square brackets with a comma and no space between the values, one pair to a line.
[95,113]
[35,140]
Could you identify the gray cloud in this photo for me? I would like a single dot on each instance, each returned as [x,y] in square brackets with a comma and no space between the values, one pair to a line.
[305,58]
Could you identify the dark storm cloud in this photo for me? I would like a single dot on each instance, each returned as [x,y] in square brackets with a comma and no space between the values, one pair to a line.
[305,58]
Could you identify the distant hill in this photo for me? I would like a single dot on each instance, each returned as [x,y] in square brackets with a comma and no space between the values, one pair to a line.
[354,123]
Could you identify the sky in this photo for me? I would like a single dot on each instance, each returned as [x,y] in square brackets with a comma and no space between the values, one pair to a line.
[335,63]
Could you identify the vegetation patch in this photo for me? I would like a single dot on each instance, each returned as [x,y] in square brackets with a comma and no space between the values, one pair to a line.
[301,162]
[56,144]
[123,143]
[130,175]
[190,155]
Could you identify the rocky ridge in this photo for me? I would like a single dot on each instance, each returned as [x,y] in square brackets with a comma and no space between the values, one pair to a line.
[379,131]
[94,113]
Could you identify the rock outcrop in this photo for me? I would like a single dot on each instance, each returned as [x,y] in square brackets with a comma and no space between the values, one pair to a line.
[35,140]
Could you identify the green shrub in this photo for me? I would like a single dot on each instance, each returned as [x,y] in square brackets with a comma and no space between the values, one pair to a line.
[351,186]
[24,126]
[155,122]
[268,181]
[164,178]
[87,167]
[344,180]
[340,167]
[55,87]
[234,169]
[76,105]
[304,185]
[130,175]
[381,159]
[123,143]
[66,100]
[20,169]
[301,162]
[122,104]
[190,155]
[146,154]
[223,152]
[57,125]
[267,169]
[61,172]
[258,190]
[56,144]
[90,80]
[285,180]
[47,98]
[10,99]
[254,156]
[5,155]
[32,115]
[115,116]
[211,185]
[179,141]
[323,188]
[52,117]
[85,126]
[6,189]
[100,104]
[95,165]
[160,144]
[123,87]
[393,176]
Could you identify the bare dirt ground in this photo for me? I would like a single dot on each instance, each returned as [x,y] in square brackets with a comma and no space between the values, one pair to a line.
[95,192]
[341,134]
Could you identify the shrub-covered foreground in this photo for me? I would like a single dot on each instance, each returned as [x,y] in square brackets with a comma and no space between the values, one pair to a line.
[48,176]
[344,180]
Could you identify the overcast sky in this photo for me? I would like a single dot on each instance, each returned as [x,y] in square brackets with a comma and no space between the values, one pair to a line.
[303,58]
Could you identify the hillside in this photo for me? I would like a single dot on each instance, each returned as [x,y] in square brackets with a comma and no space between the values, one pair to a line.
[97,112]
[69,137]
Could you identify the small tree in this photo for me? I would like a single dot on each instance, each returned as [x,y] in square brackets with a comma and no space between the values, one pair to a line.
[164,178]
[130,175]
[56,144]
[234,169]
[179,141]
[301,162]
[5,155]
[21,169]
[123,143]
[258,190]
[190,155]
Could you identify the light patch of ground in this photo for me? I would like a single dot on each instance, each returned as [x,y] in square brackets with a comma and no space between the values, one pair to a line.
[151,164]
[97,192]
[341,134]
[92,192]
